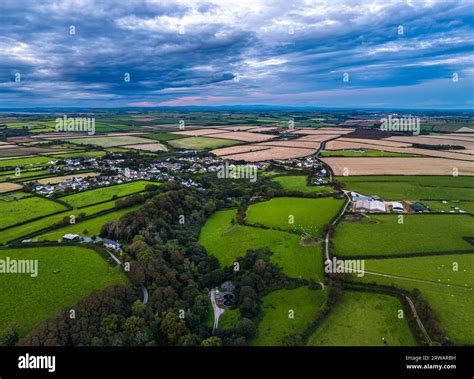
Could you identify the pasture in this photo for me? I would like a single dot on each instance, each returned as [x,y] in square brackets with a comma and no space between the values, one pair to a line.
[412,187]
[384,235]
[93,196]
[363,319]
[45,222]
[278,307]
[65,275]
[86,228]
[24,161]
[295,214]
[15,211]
[109,141]
[300,183]
[294,260]
[450,292]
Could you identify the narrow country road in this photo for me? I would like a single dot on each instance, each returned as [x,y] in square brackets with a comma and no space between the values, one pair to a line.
[217,310]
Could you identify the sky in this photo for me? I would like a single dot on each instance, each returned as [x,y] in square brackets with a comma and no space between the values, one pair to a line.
[354,54]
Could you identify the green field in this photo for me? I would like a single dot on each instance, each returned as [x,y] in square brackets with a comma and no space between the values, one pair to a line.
[79,154]
[365,153]
[199,143]
[412,187]
[27,300]
[382,235]
[296,214]
[450,292]
[438,206]
[109,141]
[164,136]
[218,234]
[229,319]
[92,226]
[33,226]
[25,175]
[98,195]
[362,319]
[300,183]
[13,212]
[276,324]
[24,161]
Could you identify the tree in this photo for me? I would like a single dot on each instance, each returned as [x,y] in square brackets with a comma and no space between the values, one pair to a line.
[172,328]
[9,337]
[246,328]
[212,341]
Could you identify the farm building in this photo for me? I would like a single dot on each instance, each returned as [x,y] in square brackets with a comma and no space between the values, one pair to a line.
[71,237]
[397,207]
[370,206]
[112,244]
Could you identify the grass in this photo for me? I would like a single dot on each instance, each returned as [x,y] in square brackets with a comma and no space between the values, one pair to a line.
[109,141]
[33,226]
[229,319]
[199,143]
[218,234]
[362,319]
[24,175]
[449,292]
[163,136]
[24,161]
[300,183]
[79,154]
[21,210]
[417,234]
[297,214]
[27,301]
[365,153]
[98,195]
[412,187]
[92,226]
[276,324]
[438,206]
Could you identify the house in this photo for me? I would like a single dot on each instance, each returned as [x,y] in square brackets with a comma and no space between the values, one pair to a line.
[111,244]
[370,206]
[71,237]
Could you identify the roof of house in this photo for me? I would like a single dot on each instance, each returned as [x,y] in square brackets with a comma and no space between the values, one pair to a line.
[396,204]
[371,205]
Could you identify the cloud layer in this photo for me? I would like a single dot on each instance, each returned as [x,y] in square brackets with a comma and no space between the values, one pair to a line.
[193,52]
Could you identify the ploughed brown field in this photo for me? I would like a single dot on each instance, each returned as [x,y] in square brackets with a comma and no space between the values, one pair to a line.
[7,187]
[319,138]
[467,142]
[381,142]
[344,144]
[60,179]
[298,143]
[237,150]
[398,166]
[270,153]
[244,136]
[198,132]
[339,131]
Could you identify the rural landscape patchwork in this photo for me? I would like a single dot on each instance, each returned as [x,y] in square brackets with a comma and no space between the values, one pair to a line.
[238,176]
[264,228]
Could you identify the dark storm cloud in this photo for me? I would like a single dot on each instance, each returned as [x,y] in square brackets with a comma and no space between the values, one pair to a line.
[242,52]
